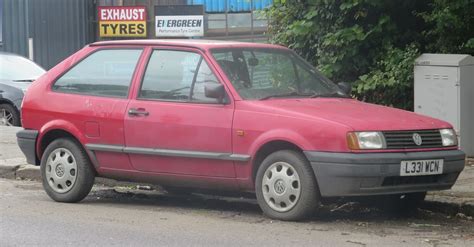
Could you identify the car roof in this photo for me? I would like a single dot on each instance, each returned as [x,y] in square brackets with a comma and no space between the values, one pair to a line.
[203,44]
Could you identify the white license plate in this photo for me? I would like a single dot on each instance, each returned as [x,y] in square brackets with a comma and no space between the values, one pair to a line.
[421,167]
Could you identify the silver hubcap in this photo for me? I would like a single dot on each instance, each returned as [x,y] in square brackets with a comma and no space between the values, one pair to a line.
[6,118]
[281,186]
[61,170]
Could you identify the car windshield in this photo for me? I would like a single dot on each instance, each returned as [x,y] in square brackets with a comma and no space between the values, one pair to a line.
[16,68]
[259,74]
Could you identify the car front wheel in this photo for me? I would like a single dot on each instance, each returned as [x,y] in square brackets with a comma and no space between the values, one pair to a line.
[66,171]
[286,188]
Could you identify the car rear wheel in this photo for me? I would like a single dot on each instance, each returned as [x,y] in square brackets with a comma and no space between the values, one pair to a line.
[66,171]
[9,116]
[285,186]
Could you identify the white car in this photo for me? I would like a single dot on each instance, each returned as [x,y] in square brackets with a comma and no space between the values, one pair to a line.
[16,74]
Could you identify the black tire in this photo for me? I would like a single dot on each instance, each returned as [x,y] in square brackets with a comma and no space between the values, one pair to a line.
[15,120]
[309,196]
[402,203]
[84,176]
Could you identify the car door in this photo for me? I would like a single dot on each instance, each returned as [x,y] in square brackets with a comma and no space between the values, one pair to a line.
[171,126]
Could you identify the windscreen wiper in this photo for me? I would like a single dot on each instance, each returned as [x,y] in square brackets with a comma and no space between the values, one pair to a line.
[329,95]
[24,80]
[283,95]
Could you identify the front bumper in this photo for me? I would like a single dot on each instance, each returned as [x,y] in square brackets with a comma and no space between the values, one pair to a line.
[351,174]
[27,143]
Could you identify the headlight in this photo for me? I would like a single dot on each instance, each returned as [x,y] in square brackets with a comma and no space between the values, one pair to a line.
[365,140]
[449,137]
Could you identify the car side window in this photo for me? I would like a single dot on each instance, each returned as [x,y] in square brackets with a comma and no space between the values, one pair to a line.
[172,75]
[169,75]
[103,73]
[204,76]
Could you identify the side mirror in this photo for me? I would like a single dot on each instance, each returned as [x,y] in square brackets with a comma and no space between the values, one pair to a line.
[345,87]
[215,91]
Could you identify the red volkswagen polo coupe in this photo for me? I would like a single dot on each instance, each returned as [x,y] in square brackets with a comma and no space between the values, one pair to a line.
[197,114]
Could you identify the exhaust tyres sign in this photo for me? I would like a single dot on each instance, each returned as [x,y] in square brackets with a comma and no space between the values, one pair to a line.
[122,21]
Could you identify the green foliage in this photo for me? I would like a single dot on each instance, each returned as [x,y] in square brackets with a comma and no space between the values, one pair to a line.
[372,43]
[391,82]
[451,26]
[330,34]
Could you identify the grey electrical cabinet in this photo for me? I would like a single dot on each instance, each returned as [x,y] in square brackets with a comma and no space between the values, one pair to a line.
[444,89]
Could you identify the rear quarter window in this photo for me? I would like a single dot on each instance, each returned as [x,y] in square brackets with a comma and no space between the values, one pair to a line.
[103,73]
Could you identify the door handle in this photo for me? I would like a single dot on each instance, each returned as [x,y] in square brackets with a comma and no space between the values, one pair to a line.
[137,112]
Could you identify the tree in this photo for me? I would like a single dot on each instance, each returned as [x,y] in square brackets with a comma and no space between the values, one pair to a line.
[372,43]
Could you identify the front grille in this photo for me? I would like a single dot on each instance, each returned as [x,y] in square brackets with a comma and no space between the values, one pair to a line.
[413,180]
[404,139]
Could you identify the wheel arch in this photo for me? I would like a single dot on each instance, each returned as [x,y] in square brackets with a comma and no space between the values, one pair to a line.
[6,101]
[54,130]
[268,148]
[272,141]
[9,102]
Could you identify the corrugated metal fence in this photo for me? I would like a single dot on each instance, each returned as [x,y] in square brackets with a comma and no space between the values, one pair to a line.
[58,28]
[221,6]
[15,27]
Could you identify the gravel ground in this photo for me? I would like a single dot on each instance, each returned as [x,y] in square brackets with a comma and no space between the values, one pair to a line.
[124,216]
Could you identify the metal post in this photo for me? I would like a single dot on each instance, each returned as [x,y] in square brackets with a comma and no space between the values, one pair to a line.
[251,19]
[30,49]
[28,34]
[227,18]
[150,22]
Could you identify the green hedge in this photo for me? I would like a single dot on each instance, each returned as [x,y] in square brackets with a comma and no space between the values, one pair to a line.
[373,43]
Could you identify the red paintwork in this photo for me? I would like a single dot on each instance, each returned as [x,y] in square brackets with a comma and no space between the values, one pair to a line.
[319,124]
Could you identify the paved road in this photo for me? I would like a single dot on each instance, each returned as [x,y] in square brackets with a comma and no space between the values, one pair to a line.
[124,217]
[8,145]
